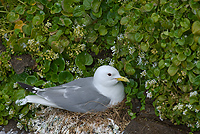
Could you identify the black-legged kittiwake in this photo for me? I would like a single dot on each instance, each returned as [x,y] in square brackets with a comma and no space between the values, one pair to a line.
[89,94]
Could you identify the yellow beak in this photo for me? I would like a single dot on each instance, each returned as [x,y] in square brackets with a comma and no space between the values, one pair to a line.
[123,79]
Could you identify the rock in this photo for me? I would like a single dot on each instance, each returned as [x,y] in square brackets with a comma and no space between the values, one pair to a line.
[147,122]
[20,62]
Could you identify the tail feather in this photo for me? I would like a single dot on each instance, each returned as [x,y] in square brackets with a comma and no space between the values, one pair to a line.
[27,87]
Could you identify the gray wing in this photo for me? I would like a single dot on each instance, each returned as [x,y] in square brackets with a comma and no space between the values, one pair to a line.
[77,96]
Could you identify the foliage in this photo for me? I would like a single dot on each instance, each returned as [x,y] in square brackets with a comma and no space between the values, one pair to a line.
[155,43]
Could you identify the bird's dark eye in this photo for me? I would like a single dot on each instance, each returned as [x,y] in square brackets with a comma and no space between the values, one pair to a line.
[109,74]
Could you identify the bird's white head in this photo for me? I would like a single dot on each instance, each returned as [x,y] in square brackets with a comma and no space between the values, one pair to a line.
[108,76]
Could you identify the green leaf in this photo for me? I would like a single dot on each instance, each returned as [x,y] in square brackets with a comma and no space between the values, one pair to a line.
[46,67]
[41,38]
[196,28]
[115,31]
[129,69]
[78,11]
[83,59]
[148,7]
[39,83]
[2,107]
[20,9]
[144,46]
[27,29]
[55,37]
[60,63]
[161,64]
[181,41]
[98,15]
[193,100]
[87,4]
[25,110]
[197,80]
[175,61]
[124,20]
[138,37]
[102,30]
[190,66]
[198,64]
[57,47]
[31,80]
[129,6]
[12,17]
[21,45]
[121,10]
[37,20]
[32,10]
[54,77]
[172,70]
[181,57]
[95,5]
[157,72]
[65,76]
[110,40]
[187,52]
[162,98]
[18,94]
[191,76]
[56,8]
[92,36]
[185,23]
[95,49]
[155,17]
[141,95]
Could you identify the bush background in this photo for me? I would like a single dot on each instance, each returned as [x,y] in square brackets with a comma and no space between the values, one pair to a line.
[154,43]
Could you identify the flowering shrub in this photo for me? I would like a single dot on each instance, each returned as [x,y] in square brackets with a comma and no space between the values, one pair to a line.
[154,43]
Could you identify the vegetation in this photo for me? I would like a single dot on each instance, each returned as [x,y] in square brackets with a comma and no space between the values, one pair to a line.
[155,43]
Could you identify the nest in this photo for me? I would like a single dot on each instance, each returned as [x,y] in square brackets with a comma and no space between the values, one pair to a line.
[52,120]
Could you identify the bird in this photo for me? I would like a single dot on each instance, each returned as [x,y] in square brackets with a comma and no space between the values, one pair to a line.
[91,94]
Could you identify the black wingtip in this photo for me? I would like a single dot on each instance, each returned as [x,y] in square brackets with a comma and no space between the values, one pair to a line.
[26,86]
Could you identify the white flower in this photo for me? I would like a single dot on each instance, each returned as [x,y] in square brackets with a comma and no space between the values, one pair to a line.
[189,106]
[15,85]
[11,112]
[31,41]
[149,94]
[131,50]
[21,116]
[48,24]
[179,81]
[198,125]
[147,83]
[19,125]
[180,106]
[67,63]
[120,37]
[193,93]
[143,73]
[184,112]
[112,62]
[154,64]
[160,117]
[83,47]
[196,110]
[101,61]
[114,50]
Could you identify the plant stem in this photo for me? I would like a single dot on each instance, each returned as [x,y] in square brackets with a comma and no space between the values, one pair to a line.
[22,2]
[3,11]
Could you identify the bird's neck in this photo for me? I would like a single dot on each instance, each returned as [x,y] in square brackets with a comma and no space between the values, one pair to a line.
[115,92]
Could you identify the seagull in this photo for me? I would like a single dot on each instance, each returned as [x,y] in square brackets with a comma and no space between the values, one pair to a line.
[90,94]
